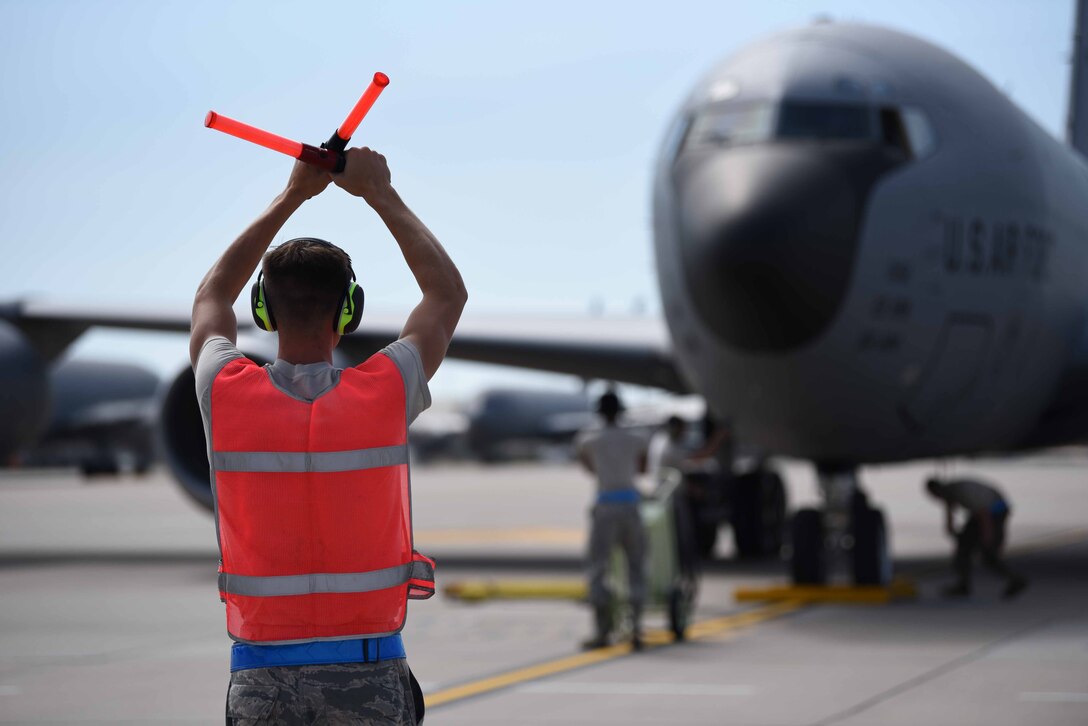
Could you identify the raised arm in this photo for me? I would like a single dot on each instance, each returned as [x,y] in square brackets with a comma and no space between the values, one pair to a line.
[213,306]
[432,322]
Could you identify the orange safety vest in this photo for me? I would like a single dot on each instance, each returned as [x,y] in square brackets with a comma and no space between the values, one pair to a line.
[313,506]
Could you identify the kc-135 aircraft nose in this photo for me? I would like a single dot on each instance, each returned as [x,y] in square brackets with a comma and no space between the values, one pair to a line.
[768,236]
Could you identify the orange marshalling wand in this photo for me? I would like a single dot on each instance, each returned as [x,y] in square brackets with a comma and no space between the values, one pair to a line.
[339,140]
[331,154]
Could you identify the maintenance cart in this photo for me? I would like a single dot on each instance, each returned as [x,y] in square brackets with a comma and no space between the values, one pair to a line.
[672,560]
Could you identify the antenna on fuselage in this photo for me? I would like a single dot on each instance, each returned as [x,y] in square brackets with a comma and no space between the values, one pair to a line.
[1077,126]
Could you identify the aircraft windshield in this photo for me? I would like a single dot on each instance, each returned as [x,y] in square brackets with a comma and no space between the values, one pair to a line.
[753,122]
[732,125]
[825,121]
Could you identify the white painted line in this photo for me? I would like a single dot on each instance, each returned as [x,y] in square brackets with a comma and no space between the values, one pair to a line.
[590,688]
[1053,697]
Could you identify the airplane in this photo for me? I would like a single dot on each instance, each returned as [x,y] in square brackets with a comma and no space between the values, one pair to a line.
[510,423]
[499,425]
[866,253]
[505,422]
[103,418]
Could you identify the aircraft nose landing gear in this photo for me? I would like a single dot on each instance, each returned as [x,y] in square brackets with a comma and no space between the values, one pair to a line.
[847,536]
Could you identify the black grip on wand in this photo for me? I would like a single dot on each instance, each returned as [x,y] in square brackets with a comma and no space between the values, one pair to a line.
[328,159]
[335,143]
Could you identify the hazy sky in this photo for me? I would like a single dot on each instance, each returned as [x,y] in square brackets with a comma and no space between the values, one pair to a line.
[522,134]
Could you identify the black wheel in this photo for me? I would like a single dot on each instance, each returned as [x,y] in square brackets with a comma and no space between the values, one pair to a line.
[758,503]
[872,560]
[808,564]
[706,536]
[100,465]
[688,554]
[681,603]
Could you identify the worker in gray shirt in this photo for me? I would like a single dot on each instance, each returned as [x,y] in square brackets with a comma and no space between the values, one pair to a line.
[616,457]
[987,513]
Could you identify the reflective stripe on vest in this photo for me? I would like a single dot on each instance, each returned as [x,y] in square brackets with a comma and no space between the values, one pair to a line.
[313,506]
[298,461]
[276,585]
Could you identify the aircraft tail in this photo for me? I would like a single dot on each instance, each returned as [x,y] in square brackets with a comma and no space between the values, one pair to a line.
[1077,127]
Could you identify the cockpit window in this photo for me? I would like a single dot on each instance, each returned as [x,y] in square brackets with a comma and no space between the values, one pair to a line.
[919,130]
[732,125]
[825,121]
[905,129]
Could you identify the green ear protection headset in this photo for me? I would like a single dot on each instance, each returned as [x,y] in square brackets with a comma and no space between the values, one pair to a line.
[349,311]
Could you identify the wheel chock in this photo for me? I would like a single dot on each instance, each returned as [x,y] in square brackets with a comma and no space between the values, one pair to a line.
[480,590]
[901,588]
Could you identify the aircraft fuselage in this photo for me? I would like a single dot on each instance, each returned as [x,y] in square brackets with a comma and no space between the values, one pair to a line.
[866,252]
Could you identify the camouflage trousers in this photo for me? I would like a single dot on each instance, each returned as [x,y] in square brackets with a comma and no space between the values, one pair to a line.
[344,693]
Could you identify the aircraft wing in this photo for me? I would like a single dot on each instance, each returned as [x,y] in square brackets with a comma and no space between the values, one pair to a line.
[633,350]
[52,327]
[625,350]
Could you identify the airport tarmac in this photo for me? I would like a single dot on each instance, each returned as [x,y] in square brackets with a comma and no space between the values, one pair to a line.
[108,612]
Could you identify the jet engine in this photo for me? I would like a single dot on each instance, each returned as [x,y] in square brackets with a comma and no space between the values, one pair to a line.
[184,446]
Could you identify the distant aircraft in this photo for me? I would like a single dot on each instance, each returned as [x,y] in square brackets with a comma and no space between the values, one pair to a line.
[504,422]
[866,253]
[103,418]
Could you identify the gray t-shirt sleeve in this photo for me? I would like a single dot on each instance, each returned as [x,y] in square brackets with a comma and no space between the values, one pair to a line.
[215,354]
[416,392]
[583,442]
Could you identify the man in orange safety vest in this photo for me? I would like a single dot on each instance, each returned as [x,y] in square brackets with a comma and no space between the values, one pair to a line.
[309,463]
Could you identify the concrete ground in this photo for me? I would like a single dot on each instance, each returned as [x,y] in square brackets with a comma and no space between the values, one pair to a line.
[108,612]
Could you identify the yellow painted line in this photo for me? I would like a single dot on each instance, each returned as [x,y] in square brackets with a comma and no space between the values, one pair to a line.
[899,589]
[713,629]
[652,639]
[522,535]
[478,590]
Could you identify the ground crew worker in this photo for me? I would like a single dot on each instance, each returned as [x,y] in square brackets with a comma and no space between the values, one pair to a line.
[615,456]
[668,449]
[310,466]
[987,512]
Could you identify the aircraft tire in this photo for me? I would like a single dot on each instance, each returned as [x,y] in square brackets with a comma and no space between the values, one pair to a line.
[871,556]
[681,605]
[808,564]
[758,504]
[706,536]
[100,465]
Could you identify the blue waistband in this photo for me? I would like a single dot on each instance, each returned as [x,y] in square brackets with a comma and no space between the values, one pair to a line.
[359,650]
[620,496]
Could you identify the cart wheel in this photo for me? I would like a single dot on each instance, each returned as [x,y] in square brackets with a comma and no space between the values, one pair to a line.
[809,565]
[680,602]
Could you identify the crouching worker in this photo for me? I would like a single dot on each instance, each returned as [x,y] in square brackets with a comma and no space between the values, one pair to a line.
[987,512]
[310,463]
[616,457]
